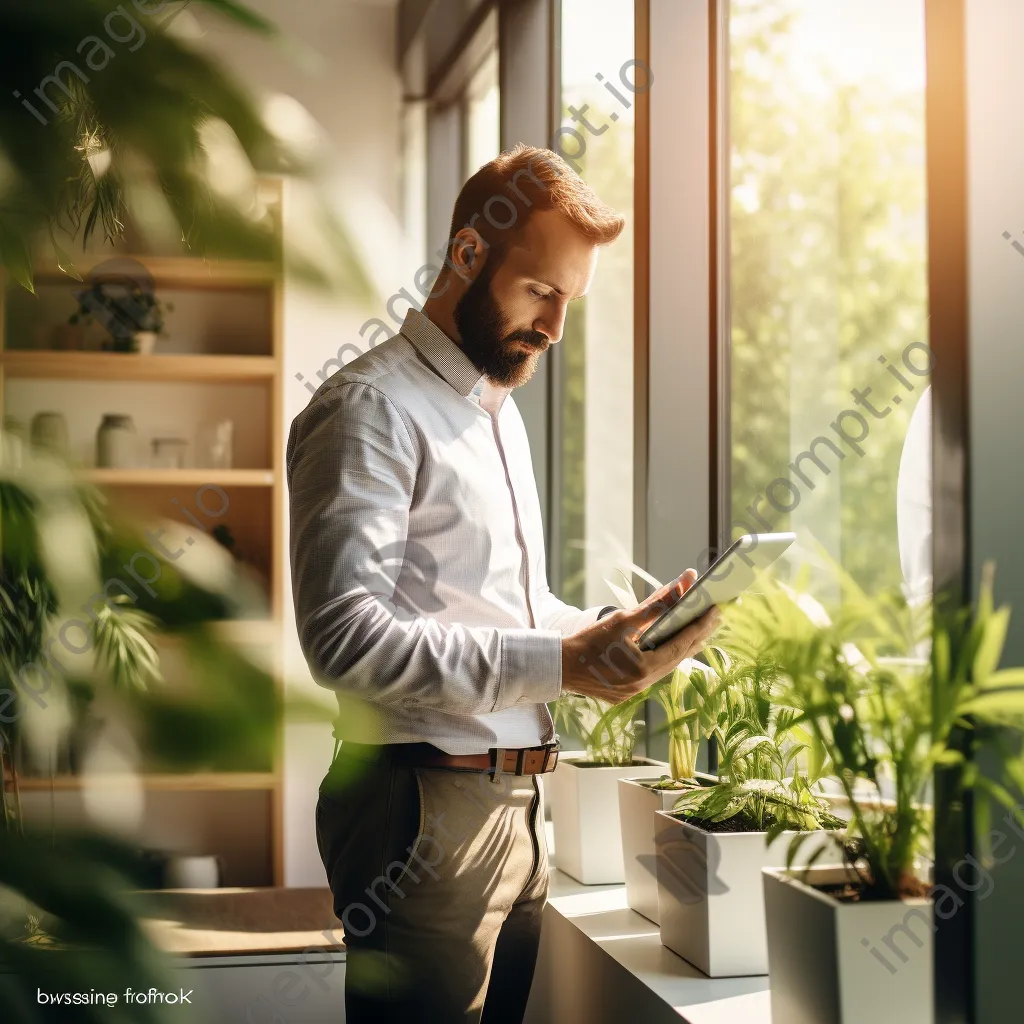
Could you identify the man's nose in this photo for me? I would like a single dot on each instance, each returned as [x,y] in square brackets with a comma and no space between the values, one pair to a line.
[551,324]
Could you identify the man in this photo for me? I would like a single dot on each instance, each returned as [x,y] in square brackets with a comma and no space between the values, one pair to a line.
[430,823]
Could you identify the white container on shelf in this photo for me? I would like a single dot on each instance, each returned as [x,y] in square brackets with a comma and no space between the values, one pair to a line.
[193,872]
[116,442]
[637,821]
[833,962]
[144,342]
[585,815]
[710,898]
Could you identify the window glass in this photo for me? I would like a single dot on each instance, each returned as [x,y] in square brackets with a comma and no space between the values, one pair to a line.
[594,403]
[482,130]
[826,273]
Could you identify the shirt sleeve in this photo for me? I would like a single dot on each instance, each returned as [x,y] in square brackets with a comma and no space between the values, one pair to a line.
[552,613]
[352,467]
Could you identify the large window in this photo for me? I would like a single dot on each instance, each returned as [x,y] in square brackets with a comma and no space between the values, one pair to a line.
[594,407]
[481,138]
[826,269]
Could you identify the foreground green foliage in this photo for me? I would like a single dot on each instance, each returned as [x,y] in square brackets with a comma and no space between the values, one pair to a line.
[69,918]
[134,145]
[885,717]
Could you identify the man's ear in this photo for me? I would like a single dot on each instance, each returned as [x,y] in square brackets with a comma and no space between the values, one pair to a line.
[469,253]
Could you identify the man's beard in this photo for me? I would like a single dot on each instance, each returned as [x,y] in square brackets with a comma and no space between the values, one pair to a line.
[482,327]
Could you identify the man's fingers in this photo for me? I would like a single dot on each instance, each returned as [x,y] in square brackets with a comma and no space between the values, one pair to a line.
[671,592]
[681,645]
[687,580]
[639,618]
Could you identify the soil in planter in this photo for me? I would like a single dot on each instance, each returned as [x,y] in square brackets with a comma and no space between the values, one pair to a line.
[855,892]
[666,783]
[742,823]
[608,764]
[734,824]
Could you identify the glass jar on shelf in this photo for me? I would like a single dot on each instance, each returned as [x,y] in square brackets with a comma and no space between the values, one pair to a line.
[116,442]
[169,452]
[215,445]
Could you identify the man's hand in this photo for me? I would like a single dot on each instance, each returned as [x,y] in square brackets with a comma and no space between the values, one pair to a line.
[604,661]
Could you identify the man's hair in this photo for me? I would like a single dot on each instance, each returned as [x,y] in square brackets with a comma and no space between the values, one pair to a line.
[498,199]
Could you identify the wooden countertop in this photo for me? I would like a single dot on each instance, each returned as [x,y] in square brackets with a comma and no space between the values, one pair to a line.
[221,922]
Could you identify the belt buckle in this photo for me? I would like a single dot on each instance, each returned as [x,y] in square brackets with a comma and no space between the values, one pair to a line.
[549,750]
[497,763]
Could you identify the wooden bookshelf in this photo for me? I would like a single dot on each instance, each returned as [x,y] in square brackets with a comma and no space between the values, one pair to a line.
[179,477]
[128,366]
[215,364]
[180,271]
[169,782]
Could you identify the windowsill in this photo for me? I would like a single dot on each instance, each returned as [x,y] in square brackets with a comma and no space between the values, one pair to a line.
[599,916]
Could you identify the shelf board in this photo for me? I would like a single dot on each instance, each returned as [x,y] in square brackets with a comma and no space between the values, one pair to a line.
[113,366]
[169,782]
[265,632]
[178,477]
[185,271]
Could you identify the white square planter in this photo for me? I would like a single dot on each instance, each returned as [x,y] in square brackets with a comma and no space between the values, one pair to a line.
[832,962]
[710,896]
[637,806]
[585,815]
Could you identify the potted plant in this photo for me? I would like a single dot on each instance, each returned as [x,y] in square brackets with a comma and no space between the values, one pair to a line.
[583,792]
[691,697]
[711,847]
[132,313]
[854,942]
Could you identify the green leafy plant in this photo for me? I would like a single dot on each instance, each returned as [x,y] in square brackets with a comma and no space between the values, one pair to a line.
[886,718]
[606,740]
[767,771]
[693,698]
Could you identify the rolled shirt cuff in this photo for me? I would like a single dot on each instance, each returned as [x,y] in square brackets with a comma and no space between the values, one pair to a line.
[531,667]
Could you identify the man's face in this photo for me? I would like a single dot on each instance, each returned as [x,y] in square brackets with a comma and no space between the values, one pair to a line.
[513,311]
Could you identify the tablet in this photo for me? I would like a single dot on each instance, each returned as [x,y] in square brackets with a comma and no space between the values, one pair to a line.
[725,579]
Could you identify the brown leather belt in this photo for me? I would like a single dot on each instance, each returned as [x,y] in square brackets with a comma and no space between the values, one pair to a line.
[501,760]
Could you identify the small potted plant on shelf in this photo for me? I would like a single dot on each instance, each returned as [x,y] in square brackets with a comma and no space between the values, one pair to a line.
[582,789]
[692,697]
[711,847]
[132,314]
[607,732]
[853,943]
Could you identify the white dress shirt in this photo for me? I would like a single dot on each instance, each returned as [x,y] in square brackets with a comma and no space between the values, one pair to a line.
[417,552]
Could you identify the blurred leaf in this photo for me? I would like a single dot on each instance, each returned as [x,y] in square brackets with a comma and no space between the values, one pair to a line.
[86,937]
[15,254]
[124,144]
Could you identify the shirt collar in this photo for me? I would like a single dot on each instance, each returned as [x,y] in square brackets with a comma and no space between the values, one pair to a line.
[447,358]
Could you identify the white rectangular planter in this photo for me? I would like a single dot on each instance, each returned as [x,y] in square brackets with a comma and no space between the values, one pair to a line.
[710,897]
[585,815]
[637,806]
[846,963]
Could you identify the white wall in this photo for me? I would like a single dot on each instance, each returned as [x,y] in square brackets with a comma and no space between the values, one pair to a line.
[349,84]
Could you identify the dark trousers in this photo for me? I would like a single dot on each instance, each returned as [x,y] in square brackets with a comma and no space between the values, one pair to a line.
[439,878]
